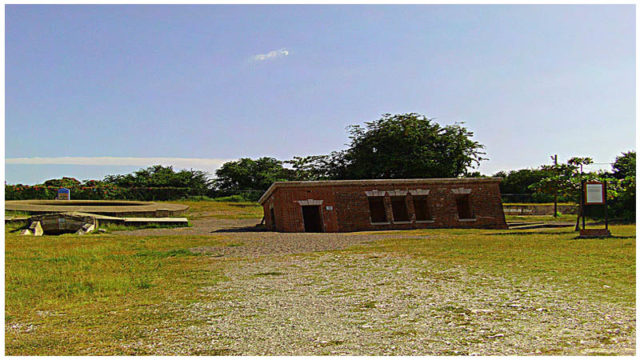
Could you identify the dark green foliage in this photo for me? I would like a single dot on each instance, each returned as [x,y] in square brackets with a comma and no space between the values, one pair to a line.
[621,185]
[396,146]
[409,146]
[250,175]
[153,183]
[102,192]
[319,167]
[66,182]
[160,176]
[564,179]
[624,171]
[516,183]
[625,165]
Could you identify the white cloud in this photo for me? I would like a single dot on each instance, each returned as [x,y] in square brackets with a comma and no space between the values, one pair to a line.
[273,54]
[209,165]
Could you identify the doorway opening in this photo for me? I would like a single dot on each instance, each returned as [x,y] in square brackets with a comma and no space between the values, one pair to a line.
[312,218]
[463,204]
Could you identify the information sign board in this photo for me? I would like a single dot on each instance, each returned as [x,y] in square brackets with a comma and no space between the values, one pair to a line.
[594,193]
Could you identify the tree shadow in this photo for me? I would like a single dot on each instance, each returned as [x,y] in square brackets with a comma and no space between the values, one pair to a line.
[530,233]
[556,233]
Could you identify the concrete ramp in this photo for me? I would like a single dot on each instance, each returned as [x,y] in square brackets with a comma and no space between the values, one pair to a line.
[81,223]
[55,224]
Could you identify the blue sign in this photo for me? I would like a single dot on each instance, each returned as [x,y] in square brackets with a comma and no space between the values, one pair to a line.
[64,194]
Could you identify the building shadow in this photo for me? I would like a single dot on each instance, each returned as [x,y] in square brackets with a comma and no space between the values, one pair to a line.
[242,229]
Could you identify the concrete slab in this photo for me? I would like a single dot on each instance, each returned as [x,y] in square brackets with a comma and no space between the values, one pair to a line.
[164,221]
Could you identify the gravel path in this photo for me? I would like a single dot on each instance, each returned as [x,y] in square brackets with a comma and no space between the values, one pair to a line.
[329,303]
[241,239]
[375,304]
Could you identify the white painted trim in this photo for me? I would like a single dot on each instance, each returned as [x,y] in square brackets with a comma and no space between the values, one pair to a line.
[461,191]
[375,193]
[309,202]
[474,219]
[380,223]
[419,192]
[397,193]
[425,221]
[402,222]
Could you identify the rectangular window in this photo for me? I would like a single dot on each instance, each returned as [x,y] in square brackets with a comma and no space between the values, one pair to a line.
[421,208]
[399,208]
[376,208]
[464,207]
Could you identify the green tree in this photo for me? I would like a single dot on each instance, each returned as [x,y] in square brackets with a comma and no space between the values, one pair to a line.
[519,182]
[625,165]
[624,186]
[161,176]
[67,182]
[251,175]
[564,178]
[319,167]
[407,146]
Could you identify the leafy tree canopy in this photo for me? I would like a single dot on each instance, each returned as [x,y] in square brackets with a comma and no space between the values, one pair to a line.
[161,176]
[625,165]
[565,178]
[397,146]
[248,174]
[518,181]
[64,182]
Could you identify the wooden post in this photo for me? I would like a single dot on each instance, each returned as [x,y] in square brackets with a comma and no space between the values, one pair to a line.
[583,201]
[555,197]
[606,218]
[579,208]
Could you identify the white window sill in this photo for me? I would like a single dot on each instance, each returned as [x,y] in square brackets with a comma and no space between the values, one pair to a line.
[380,223]
[402,222]
[467,220]
[425,221]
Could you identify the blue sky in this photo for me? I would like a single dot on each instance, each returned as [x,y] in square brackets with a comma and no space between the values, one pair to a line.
[96,90]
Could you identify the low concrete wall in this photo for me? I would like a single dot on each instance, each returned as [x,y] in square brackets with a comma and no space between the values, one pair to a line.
[103,207]
[538,209]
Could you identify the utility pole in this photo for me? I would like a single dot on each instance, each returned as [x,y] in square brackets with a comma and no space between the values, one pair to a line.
[555,196]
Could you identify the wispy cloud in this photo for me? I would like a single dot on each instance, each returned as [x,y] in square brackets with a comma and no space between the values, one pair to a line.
[180,163]
[273,54]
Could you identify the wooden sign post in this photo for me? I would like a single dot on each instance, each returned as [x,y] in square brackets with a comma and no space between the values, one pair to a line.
[594,193]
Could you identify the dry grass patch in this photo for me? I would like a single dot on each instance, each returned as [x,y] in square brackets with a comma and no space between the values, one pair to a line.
[222,210]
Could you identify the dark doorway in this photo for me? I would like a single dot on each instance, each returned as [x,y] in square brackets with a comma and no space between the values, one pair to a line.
[312,219]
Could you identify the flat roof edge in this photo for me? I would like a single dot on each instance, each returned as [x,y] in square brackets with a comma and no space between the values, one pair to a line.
[279,184]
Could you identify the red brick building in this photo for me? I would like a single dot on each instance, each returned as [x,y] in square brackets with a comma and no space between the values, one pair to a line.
[356,205]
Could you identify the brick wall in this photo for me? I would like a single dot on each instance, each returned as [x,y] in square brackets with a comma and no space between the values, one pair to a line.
[346,207]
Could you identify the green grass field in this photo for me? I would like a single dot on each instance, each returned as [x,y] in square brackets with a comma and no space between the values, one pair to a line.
[86,295]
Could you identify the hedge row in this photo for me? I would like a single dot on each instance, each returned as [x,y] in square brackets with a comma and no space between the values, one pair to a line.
[108,192]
